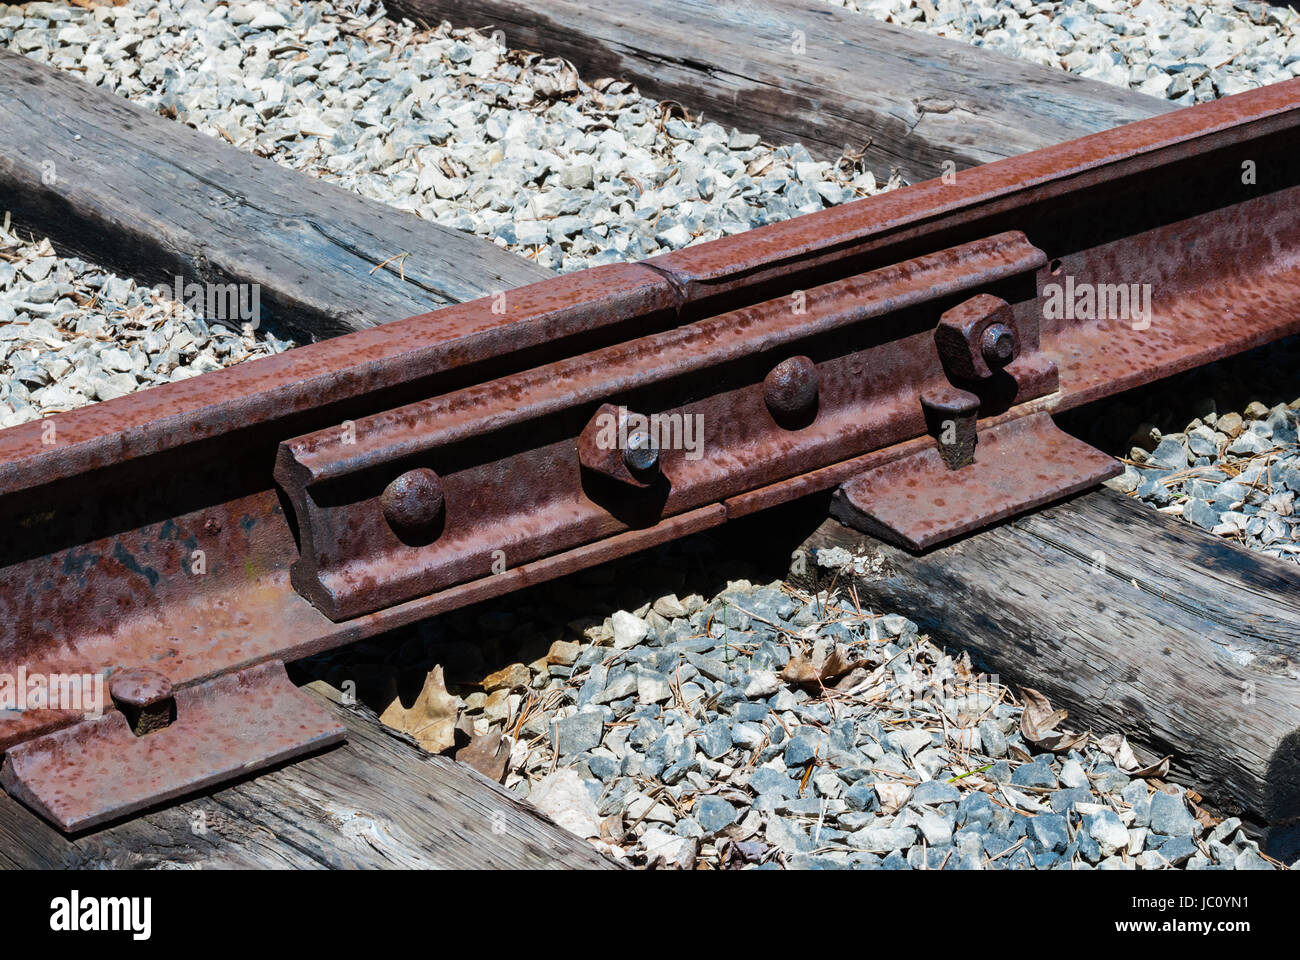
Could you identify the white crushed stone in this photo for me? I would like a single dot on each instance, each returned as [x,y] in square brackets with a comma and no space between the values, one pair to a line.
[445,123]
[72,333]
[1236,475]
[1185,52]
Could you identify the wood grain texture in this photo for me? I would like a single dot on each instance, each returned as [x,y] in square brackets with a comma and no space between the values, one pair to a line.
[375,802]
[920,100]
[1132,621]
[154,199]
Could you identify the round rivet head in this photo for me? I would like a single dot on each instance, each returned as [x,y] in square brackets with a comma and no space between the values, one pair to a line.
[640,455]
[791,387]
[413,502]
[997,344]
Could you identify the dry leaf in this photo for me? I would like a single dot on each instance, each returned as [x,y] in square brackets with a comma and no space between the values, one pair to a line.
[488,754]
[1206,819]
[962,667]
[1018,752]
[554,78]
[431,720]
[851,679]
[803,671]
[1116,747]
[611,828]
[1038,725]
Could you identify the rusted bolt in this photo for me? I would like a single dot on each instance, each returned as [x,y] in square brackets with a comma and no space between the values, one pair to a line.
[998,345]
[619,444]
[640,455]
[790,389]
[145,698]
[977,338]
[413,502]
[950,416]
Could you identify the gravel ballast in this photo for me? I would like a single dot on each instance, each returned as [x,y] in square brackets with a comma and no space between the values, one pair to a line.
[444,123]
[764,728]
[72,334]
[1215,446]
[1236,475]
[1184,52]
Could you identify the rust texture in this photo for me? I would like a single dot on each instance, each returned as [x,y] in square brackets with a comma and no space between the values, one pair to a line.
[918,501]
[511,469]
[307,500]
[99,770]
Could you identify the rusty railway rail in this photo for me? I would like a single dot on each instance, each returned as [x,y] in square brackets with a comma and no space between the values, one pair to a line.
[900,348]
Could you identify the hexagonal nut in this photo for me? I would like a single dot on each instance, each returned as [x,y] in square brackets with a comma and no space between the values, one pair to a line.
[600,448]
[960,337]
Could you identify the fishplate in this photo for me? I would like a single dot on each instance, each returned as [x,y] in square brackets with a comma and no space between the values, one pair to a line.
[436,493]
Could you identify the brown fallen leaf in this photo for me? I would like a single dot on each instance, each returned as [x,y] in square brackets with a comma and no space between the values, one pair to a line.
[554,78]
[804,672]
[851,679]
[1202,816]
[1038,725]
[962,667]
[488,754]
[611,828]
[431,720]
[1115,746]
[1018,752]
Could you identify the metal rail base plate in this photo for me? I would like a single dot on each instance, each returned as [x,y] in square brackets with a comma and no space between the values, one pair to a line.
[917,501]
[99,770]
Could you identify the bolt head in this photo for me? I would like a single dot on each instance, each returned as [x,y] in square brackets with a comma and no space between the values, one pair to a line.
[998,345]
[791,387]
[413,502]
[640,455]
[964,349]
[139,687]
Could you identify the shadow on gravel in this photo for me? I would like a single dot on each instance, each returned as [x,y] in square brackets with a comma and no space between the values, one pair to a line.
[1269,374]
[475,641]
